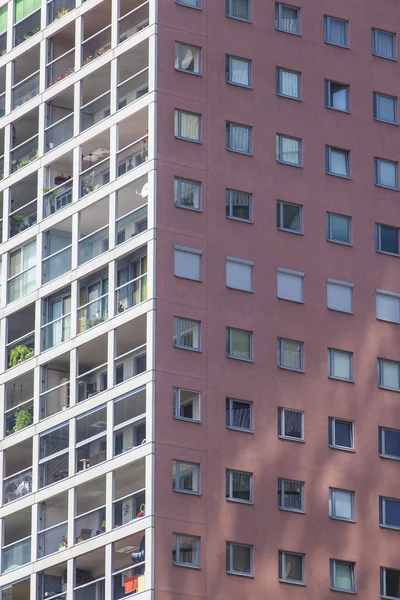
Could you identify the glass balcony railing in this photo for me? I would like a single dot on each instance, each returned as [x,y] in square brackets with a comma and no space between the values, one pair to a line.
[91,382]
[133,88]
[94,177]
[21,349]
[22,284]
[57,198]
[90,524]
[95,111]
[59,132]
[54,400]
[3,43]
[96,46]
[52,540]
[23,217]
[130,364]
[25,90]
[128,508]
[132,156]
[19,417]
[24,154]
[2,104]
[130,580]
[95,590]
[58,8]
[59,68]
[16,555]
[93,245]
[57,264]
[132,293]
[133,22]
[56,332]
[27,27]
[93,313]
[131,224]
[18,485]
[1,167]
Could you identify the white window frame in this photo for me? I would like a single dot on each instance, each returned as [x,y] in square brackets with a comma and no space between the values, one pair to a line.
[376,97]
[379,161]
[381,361]
[378,239]
[331,360]
[332,422]
[332,506]
[382,443]
[375,33]
[279,71]
[196,477]
[194,252]
[329,228]
[328,153]
[382,512]
[229,125]
[281,424]
[229,11]
[178,193]
[177,404]
[280,210]
[197,542]
[281,496]
[179,112]
[229,354]
[327,19]
[282,558]
[228,77]
[278,18]
[230,413]
[230,497]
[333,563]
[177,342]
[229,205]
[328,95]
[281,355]
[239,261]
[179,46]
[230,570]
[279,148]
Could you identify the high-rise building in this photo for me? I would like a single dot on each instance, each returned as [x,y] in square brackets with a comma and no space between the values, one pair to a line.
[199,299]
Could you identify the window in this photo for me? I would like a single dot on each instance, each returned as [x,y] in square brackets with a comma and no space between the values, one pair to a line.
[387,239]
[288,150]
[340,364]
[336,31]
[386,173]
[291,567]
[388,374]
[389,512]
[291,495]
[186,405]
[290,354]
[387,306]
[338,228]
[187,193]
[342,576]
[337,162]
[238,486]
[91,441]
[287,18]
[383,44]
[22,271]
[53,455]
[290,285]
[239,558]
[341,433]
[185,477]
[187,126]
[337,95]
[291,424]
[288,83]
[190,3]
[238,71]
[186,550]
[341,504]
[187,58]
[389,443]
[238,9]
[186,333]
[385,108]
[239,415]
[239,274]
[238,344]
[187,263]
[238,205]
[339,295]
[390,583]
[238,138]
[289,217]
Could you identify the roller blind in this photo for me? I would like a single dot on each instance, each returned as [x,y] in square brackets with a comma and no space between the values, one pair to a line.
[3,19]
[23,8]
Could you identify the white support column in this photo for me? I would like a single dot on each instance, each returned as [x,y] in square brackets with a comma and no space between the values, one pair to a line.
[150,339]
[34,531]
[76,160]
[72,448]
[34,583]
[112,212]
[39,259]
[6,212]
[109,499]
[2,475]
[43,61]
[74,307]
[37,389]
[151,200]
[7,149]
[111,350]
[71,516]
[114,24]
[10,31]
[149,558]
[3,343]
[149,471]
[70,580]
[109,432]
[41,186]
[114,83]
[152,127]
[113,151]
[108,568]
[75,238]
[42,126]
[112,266]
[78,42]
[38,326]
[74,369]
[3,282]
[77,107]
[35,463]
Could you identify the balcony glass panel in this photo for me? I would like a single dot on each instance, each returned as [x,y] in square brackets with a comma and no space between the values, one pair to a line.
[130,436]
[60,68]
[91,454]
[57,264]
[22,284]
[27,27]
[129,581]
[92,382]
[130,407]
[56,332]
[1,167]
[3,43]
[25,90]
[129,508]
[90,524]
[2,104]
[132,156]
[59,132]
[133,22]
[95,111]
[57,198]
[18,418]
[52,540]
[96,46]
[94,177]
[16,555]
[54,400]
[58,8]
[21,349]
[132,293]
[130,364]
[93,245]
[91,591]
[93,313]
[23,217]
[133,88]
[53,470]
[24,154]
[18,485]
[131,224]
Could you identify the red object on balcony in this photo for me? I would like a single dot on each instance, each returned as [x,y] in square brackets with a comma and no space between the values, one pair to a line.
[131,584]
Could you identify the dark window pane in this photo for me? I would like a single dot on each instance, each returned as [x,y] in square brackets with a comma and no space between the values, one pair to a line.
[291,217]
[392,583]
[343,434]
[240,415]
[240,485]
[338,96]
[389,240]
[293,567]
[392,512]
[392,442]
[292,423]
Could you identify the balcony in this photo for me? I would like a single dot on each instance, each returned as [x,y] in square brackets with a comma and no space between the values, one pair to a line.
[96,45]
[54,396]
[57,326]
[129,578]
[95,99]
[58,8]
[16,555]
[27,27]
[17,589]
[59,132]
[18,412]
[53,520]
[92,373]
[93,297]
[57,198]
[17,481]
[130,349]
[129,421]
[52,583]
[18,485]
[24,154]
[57,251]
[90,524]
[91,442]
[132,20]
[61,55]
[25,90]
[131,280]
[60,68]
[53,459]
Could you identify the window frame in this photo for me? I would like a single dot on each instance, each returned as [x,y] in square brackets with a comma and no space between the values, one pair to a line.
[378,239]
[197,541]
[376,96]
[229,204]
[178,193]
[229,411]
[280,204]
[332,435]
[176,463]
[382,512]
[281,424]
[327,19]
[374,32]
[229,341]
[281,495]
[333,563]
[281,354]
[282,567]
[383,571]
[382,443]
[329,229]
[328,154]
[380,374]
[230,497]
[331,354]
[178,136]
[229,125]
[332,511]
[278,18]
[182,3]
[180,68]
[377,162]
[177,405]
[228,71]
[228,9]
[230,546]
[279,93]
[328,95]
[279,139]
[177,344]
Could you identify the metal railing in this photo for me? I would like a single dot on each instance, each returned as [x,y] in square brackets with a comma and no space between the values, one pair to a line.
[17,485]
[95,589]
[16,555]
[132,156]
[133,88]
[59,68]
[25,90]
[94,177]
[131,293]
[56,332]
[54,400]
[93,245]
[95,111]
[52,539]
[90,383]
[122,359]
[57,198]
[90,524]
[131,224]
[59,132]
[22,284]
[127,508]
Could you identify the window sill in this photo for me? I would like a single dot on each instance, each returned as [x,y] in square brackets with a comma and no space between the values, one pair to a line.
[389,457]
[236,501]
[290,369]
[343,312]
[292,582]
[290,231]
[183,139]
[290,439]
[340,110]
[187,278]
[290,300]
[186,6]
[387,122]
[387,253]
[242,430]
[187,420]
[239,19]
[186,348]
[187,72]
[336,45]
[192,208]
[342,591]
[289,32]
[292,510]
[340,379]
[386,187]
[289,97]
[341,448]
[349,244]
[241,85]
[343,520]
[247,360]
[381,387]
[384,57]
[282,162]
[389,527]
[229,287]
[189,493]
[239,152]
[185,566]
[239,219]
[337,175]
[240,574]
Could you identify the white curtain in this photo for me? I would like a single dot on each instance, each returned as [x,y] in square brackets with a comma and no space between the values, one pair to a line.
[289,151]
[336,32]
[390,374]
[190,126]
[240,344]
[385,108]
[342,502]
[289,84]
[343,576]
[386,173]
[384,45]
[189,333]
[338,162]
[289,20]
[239,71]
[291,354]
[341,364]
[239,138]
[189,193]
[240,9]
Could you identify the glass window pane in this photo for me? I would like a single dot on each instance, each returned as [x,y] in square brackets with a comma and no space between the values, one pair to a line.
[240,344]
[293,423]
[391,442]
[386,173]
[343,434]
[385,108]
[241,558]
[290,150]
[342,504]
[341,364]
[338,162]
[392,512]
[384,44]
[389,239]
[339,96]
[390,374]
[340,228]
[291,217]
[289,20]
[343,576]
[190,126]
[335,31]
[293,567]
[291,354]
[239,138]
[239,71]
[289,84]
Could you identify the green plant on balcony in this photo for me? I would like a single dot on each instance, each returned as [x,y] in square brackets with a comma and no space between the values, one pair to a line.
[17,222]
[23,418]
[88,187]
[94,322]
[61,13]
[19,354]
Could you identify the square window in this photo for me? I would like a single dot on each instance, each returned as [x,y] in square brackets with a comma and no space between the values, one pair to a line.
[238,138]
[387,239]
[338,228]
[186,550]
[290,354]
[288,83]
[389,442]
[340,364]
[239,415]
[187,193]
[389,512]
[186,405]
[386,173]
[336,31]
[238,486]
[390,583]
[290,285]
[337,95]
[239,558]
[337,162]
[385,108]
[238,71]
[341,433]
[339,296]
[291,495]
[187,58]
[238,9]
[291,567]
[288,150]
[238,205]
[287,18]
[342,576]
[186,333]
[387,307]
[383,44]
[341,504]
[187,126]
[291,424]
[187,263]
[190,3]
[289,217]
[239,274]
[238,344]
[388,374]
[185,477]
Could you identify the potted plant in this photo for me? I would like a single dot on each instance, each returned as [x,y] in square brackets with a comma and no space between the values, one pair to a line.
[17,222]
[19,354]
[23,418]
[61,178]
[62,12]
[103,525]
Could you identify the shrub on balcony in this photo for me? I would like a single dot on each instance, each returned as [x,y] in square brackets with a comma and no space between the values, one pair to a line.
[19,354]
[23,418]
